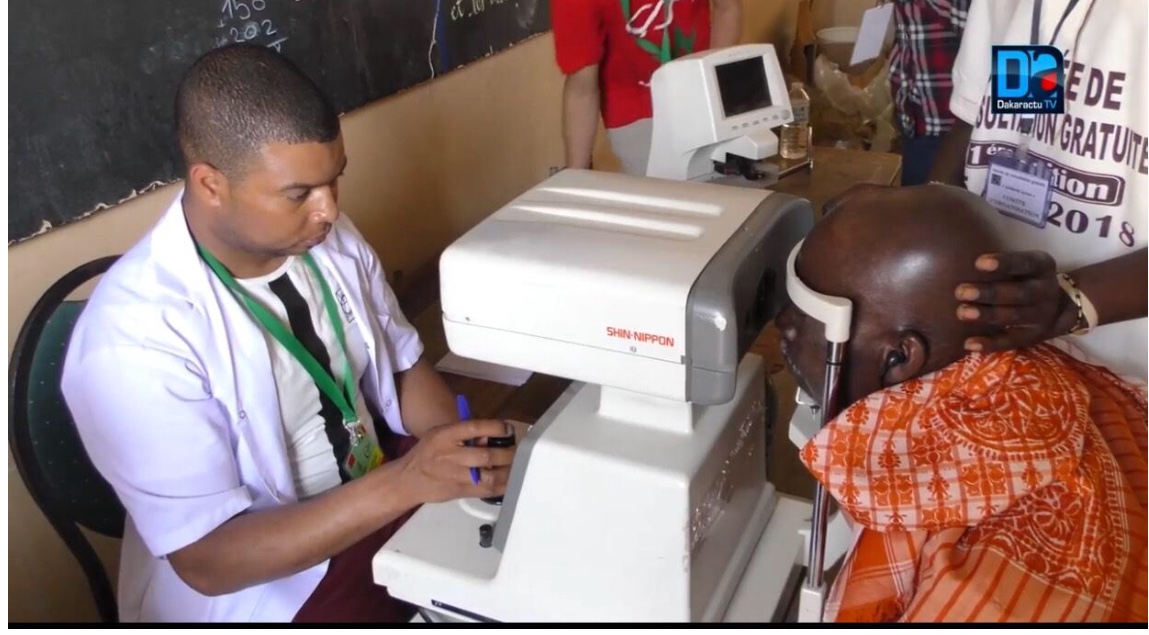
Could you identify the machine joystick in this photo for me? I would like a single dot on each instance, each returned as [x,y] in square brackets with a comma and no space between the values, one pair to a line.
[500,442]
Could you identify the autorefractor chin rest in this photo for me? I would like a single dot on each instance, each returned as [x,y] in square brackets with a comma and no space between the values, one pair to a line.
[835,314]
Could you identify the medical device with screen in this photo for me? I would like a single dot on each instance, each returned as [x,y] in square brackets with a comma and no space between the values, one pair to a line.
[742,86]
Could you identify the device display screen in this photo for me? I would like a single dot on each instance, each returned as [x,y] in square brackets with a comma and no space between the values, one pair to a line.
[742,86]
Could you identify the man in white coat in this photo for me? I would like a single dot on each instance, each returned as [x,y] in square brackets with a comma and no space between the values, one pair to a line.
[241,374]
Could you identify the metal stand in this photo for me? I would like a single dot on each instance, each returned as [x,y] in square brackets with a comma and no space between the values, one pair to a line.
[836,313]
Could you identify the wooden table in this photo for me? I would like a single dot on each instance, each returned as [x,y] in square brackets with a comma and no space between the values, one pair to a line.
[835,170]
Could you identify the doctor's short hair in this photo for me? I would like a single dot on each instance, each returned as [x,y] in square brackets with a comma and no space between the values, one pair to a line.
[238,98]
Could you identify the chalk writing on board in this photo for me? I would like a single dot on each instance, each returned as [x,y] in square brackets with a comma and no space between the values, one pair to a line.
[245,21]
[470,8]
[93,82]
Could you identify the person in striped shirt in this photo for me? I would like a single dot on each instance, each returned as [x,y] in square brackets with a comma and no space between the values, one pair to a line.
[928,36]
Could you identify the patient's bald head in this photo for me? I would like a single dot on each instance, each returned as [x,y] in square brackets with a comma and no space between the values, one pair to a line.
[897,254]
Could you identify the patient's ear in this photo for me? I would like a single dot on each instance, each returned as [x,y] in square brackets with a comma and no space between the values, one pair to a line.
[905,359]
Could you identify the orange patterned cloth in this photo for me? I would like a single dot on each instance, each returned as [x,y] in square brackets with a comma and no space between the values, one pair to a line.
[1005,487]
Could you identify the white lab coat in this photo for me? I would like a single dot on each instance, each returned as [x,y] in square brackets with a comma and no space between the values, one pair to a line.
[170,383]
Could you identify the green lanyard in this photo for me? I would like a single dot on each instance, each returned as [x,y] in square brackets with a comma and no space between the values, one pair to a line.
[663,53]
[344,401]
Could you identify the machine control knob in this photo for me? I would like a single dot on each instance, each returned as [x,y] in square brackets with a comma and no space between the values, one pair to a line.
[500,442]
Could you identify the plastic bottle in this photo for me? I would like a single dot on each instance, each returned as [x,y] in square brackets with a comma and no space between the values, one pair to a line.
[795,142]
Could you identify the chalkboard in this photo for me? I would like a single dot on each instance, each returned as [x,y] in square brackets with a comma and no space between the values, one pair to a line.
[92,82]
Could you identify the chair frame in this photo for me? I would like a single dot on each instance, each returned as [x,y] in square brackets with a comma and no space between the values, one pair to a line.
[20,440]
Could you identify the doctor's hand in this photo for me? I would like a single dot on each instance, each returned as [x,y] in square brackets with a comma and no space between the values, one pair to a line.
[1018,292]
[438,468]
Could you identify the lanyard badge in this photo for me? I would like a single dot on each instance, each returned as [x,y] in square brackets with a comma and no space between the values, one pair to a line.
[1019,186]
[364,454]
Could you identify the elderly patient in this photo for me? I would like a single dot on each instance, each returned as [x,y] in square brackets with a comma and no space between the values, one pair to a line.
[984,487]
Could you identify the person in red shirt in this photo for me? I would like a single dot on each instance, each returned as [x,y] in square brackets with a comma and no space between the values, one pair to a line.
[608,49]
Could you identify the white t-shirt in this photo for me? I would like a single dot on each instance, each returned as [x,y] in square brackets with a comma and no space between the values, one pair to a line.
[313,462]
[1098,149]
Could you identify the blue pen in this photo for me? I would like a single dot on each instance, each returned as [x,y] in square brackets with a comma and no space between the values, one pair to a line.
[465,415]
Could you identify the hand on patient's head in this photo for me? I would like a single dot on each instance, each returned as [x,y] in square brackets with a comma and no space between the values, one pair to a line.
[1020,291]
[897,254]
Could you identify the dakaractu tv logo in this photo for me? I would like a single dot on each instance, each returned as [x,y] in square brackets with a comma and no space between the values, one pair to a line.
[1027,79]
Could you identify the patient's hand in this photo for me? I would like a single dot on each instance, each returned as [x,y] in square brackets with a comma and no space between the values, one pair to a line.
[1020,292]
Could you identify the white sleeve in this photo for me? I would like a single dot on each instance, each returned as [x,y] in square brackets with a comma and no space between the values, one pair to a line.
[403,343]
[151,427]
[986,25]
[971,68]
